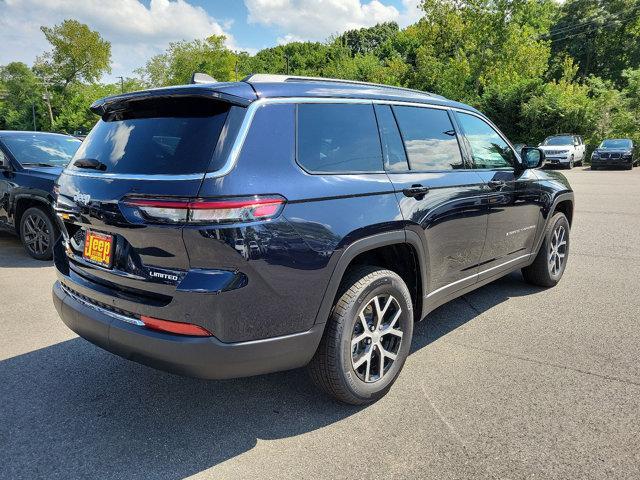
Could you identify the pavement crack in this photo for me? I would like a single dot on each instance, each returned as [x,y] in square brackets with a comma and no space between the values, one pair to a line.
[548,364]
[454,433]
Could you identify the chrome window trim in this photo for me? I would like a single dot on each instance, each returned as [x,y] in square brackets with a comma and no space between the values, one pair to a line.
[234,154]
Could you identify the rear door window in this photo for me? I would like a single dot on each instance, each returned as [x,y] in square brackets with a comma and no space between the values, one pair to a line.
[338,138]
[170,138]
[429,138]
[395,158]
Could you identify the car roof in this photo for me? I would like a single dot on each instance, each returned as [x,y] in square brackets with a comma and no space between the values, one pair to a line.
[259,86]
[24,133]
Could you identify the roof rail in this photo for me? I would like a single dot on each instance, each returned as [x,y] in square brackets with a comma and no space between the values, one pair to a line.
[271,78]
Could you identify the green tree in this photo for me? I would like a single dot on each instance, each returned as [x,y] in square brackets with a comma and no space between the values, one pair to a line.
[182,59]
[603,36]
[20,95]
[78,54]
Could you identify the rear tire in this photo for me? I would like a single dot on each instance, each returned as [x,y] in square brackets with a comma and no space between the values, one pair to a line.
[38,233]
[549,265]
[356,362]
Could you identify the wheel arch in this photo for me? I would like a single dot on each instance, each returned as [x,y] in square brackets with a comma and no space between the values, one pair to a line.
[563,202]
[25,201]
[381,250]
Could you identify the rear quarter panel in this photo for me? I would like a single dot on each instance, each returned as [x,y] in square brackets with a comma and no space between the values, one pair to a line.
[296,253]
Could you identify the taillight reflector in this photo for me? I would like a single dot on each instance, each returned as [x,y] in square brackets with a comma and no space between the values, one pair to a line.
[209,211]
[178,328]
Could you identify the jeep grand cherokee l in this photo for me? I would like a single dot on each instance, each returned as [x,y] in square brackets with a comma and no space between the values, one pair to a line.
[232,229]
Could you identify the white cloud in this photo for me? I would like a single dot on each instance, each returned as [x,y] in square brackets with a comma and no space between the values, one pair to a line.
[411,13]
[136,32]
[318,19]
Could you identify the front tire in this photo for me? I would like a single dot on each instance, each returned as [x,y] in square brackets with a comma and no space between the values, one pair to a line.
[37,232]
[367,338]
[570,166]
[549,265]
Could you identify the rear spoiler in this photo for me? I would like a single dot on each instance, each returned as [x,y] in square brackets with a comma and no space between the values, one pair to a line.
[116,103]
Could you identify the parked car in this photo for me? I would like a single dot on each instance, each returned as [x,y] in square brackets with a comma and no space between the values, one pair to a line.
[29,164]
[614,152]
[370,205]
[565,150]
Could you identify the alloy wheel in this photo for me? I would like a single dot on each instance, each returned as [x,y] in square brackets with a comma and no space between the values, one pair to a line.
[557,250]
[376,338]
[36,234]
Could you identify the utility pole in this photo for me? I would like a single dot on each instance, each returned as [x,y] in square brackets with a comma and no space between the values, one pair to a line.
[33,112]
[47,98]
[121,84]
[286,57]
[236,69]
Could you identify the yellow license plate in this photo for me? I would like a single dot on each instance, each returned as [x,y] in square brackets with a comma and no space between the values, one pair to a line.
[98,248]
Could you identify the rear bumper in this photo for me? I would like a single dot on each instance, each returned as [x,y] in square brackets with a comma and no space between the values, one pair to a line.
[191,356]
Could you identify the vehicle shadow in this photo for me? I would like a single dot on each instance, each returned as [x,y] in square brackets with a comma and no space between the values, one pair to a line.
[72,410]
[12,254]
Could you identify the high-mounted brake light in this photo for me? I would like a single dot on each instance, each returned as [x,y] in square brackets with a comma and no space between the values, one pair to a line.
[200,211]
[178,328]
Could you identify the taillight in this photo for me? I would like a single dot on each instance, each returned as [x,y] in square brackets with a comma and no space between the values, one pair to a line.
[178,328]
[203,211]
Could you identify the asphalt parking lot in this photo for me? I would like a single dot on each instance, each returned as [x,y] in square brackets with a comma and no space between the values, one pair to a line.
[510,381]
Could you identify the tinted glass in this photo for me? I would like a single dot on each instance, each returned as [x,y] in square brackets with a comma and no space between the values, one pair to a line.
[395,158]
[622,143]
[338,138]
[561,140]
[38,148]
[488,148]
[429,138]
[163,141]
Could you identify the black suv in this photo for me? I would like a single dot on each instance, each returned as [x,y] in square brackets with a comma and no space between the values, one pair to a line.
[30,162]
[231,229]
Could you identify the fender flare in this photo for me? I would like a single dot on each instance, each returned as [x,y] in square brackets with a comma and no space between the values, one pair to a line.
[552,210]
[363,245]
[43,198]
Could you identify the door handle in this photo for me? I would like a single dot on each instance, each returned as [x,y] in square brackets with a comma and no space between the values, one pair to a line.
[415,191]
[496,184]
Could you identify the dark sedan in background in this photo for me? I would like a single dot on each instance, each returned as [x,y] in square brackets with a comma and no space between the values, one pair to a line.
[30,162]
[614,152]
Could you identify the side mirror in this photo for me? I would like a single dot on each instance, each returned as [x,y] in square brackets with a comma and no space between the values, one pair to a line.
[4,164]
[532,157]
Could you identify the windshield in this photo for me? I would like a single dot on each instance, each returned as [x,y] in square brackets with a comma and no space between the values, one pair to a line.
[620,143]
[562,140]
[41,149]
[162,138]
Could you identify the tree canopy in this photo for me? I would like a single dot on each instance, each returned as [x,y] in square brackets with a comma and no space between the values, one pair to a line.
[536,67]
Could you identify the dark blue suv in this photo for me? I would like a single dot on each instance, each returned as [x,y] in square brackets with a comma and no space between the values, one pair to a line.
[30,162]
[231,229]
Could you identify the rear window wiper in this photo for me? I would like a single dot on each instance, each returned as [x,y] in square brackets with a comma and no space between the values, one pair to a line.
[89,163]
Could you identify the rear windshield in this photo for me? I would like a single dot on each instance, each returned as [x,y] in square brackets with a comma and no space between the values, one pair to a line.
[166,139]
[621,143]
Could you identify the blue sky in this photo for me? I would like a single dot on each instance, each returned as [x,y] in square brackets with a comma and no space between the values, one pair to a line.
[139,29]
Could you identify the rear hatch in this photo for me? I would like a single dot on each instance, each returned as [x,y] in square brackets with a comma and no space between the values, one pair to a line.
[144,147]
